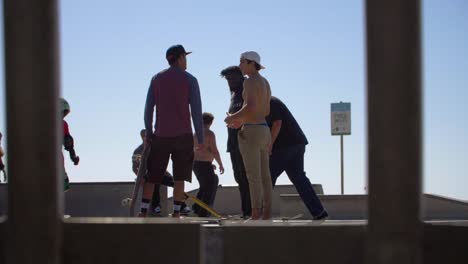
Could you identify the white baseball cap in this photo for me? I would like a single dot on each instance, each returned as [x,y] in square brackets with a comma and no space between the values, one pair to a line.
[252,56]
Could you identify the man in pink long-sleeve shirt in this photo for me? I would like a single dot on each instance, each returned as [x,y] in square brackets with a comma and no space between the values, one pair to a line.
[176,95]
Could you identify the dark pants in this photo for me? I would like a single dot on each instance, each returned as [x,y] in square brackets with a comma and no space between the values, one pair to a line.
[241,178]
[167,180]
[291,160]
[208,181]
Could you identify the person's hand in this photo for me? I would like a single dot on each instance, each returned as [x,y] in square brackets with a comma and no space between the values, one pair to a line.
[235,125]
[75,160]
[232,122]
[214,166]
[221,169]
[227,120]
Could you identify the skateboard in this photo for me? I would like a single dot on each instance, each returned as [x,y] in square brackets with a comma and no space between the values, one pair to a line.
[286,219]
[202,205]
[129,201]
[138,182]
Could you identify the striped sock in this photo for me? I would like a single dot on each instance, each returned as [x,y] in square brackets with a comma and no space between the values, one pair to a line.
[144,205]
[177,206]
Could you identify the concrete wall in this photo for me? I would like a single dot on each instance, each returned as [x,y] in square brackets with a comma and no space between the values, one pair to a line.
[354,207]
[130,240]
[103,199]
[3,235]
[228,198]
[445,244]
[293,244]
[98,199]
[350,207]
[3,199]
[154,240]
[436,207]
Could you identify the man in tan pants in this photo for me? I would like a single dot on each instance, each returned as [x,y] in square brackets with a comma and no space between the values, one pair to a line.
[254,137]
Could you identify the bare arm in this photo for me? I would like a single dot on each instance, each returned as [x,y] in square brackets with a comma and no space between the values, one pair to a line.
[215,152]
[269,97]
[249,106]
[275,129]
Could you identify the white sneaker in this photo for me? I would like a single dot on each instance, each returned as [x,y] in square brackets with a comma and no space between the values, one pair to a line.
[157,210]
[186,210]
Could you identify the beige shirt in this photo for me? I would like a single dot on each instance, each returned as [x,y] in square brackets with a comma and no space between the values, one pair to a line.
[257,93]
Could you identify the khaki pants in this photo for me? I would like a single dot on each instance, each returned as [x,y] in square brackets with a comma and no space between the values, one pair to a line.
[253,145]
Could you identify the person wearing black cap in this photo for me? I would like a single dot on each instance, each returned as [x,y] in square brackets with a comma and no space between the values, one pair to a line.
[235,80]
[176,95]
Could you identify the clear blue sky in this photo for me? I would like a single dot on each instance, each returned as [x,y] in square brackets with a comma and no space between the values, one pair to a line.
[314,53]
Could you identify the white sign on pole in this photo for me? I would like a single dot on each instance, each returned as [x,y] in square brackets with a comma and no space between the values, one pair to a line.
[340,119]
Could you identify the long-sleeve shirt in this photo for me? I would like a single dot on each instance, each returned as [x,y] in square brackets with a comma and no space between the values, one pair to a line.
[173,91]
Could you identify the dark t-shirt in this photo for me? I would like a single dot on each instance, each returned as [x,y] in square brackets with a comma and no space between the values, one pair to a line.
[236,105]
[290,132]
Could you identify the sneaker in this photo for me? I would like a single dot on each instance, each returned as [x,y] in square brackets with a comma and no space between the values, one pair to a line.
[245,217]
[157,210]
[175,215]
[185,211]
[322,216]
[141,214]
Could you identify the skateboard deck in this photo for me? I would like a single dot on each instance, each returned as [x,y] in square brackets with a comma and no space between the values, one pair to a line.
[202,205]
[137,190]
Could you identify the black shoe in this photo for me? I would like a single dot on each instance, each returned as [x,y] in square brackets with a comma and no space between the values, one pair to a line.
[322,216]
[185,211]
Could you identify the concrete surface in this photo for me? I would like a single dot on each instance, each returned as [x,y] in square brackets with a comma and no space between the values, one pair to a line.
[349,207]
[130,240]
[103,199]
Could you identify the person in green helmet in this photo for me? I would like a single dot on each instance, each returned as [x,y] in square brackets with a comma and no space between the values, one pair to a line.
[68,143]
[2,153]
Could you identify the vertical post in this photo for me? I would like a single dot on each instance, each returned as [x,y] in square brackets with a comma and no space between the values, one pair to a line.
[342,166]
[394,131]
[163,194]
[35,189]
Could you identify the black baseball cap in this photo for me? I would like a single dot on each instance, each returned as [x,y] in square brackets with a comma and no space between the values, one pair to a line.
[175,51]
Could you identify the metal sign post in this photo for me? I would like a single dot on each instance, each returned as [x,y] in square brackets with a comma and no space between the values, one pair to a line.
[341,125]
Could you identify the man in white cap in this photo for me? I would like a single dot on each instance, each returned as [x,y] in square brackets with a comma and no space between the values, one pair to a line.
[254,136]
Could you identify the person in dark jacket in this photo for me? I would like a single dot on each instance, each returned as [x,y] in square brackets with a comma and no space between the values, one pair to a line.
[235,80]
[287,155]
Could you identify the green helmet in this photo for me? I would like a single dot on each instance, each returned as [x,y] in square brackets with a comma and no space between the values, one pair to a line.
[65,105]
